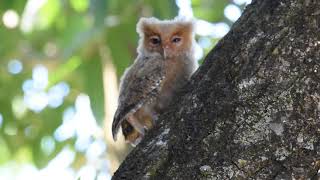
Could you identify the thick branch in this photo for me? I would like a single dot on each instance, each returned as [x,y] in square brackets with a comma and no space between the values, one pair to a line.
[252,110]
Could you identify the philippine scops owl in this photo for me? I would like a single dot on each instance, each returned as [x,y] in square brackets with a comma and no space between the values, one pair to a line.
[164,64]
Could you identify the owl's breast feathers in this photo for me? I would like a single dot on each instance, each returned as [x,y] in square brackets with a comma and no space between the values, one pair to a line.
[141,84]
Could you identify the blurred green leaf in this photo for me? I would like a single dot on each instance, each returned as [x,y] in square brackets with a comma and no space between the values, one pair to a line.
[98,8]
[91,71]
[4,152]
[64,70]
[16,5]
[166,9]
[48,13]
[210,10]
[123,48]
[79,5]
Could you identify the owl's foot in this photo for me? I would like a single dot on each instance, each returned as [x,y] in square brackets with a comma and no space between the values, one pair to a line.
[136,124]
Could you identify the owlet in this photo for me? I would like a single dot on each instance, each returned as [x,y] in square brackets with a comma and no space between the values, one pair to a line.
[164,64]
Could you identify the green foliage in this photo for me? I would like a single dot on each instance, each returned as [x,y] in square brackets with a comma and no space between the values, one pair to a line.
[203,9]
[65,36]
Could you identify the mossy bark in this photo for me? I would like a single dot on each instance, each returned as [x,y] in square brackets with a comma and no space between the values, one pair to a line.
[252,110]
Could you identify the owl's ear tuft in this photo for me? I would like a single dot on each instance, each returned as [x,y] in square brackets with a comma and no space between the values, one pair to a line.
[144,25]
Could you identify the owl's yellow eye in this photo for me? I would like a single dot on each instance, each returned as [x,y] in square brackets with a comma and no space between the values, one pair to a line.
[155,40]
[176,39]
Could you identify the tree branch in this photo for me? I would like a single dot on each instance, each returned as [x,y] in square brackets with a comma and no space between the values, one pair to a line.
[252,110]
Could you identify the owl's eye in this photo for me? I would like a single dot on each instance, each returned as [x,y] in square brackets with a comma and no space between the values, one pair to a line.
[155,40]
[176,39]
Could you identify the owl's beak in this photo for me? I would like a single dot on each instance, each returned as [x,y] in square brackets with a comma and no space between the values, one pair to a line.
[166,52]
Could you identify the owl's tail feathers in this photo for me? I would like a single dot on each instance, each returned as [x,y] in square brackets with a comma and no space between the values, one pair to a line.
[120,115]
[118,118]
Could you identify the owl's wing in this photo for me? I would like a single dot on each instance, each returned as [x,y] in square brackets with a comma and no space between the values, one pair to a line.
[140,84]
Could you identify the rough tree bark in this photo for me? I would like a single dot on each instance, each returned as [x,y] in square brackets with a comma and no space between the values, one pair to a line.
[251,111]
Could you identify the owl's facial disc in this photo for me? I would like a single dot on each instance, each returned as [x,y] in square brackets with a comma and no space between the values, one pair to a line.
[171,46]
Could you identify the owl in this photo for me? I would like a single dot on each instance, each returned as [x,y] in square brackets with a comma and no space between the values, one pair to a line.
[164,64]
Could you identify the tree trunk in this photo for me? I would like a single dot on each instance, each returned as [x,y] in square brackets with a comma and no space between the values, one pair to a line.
[252,110]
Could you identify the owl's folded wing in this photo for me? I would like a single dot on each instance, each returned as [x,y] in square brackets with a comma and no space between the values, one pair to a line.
[140,84]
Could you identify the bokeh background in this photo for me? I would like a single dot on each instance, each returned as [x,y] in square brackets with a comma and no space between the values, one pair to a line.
[60,64]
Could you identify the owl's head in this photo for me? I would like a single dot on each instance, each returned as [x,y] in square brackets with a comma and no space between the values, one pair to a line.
[169,38]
